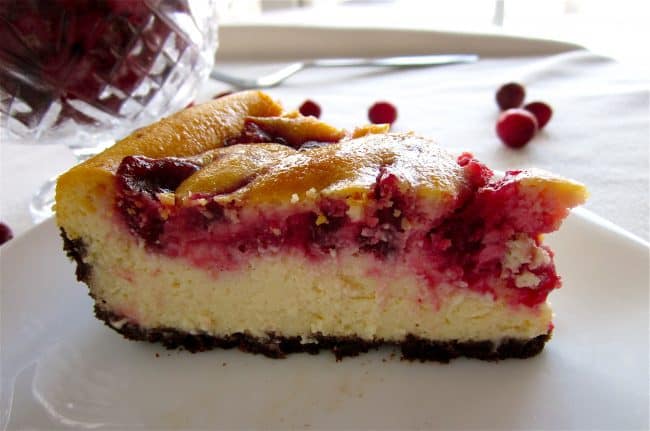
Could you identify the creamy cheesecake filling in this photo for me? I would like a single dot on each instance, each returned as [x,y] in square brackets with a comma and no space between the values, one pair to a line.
[293,295]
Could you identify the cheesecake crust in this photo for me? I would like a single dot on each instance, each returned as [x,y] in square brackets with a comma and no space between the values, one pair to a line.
[277,346]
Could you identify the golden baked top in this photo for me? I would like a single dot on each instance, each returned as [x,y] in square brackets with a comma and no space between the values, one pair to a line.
[235,168]
[273,173]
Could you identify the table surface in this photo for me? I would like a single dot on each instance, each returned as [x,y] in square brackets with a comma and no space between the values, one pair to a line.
[599,133]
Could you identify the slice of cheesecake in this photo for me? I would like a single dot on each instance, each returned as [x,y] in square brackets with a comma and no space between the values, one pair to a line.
[233,224]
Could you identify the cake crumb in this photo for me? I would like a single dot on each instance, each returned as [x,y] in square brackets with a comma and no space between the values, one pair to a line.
[294,198]
[167,198]
[157,355]
[223,364]
[527,280]
[355,211]
[321,219]
[311,193]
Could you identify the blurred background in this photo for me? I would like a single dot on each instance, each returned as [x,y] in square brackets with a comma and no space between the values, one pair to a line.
[616,29]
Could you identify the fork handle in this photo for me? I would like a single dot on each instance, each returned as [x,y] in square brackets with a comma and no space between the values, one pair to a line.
[402,61]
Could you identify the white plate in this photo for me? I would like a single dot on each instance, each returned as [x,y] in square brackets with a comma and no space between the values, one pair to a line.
[61,368]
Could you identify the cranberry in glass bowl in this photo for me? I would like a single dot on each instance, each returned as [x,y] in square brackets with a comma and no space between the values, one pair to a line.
[84,72]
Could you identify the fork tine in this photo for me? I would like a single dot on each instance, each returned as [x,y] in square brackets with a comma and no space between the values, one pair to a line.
[276,78]
[266,81]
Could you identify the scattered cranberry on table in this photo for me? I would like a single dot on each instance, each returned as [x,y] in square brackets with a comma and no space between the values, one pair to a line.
[382,113]
[541,111]
[516,127]
[510,95]
[5,233]
[310,108]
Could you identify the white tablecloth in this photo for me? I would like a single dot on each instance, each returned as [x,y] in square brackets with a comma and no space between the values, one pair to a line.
[599,133]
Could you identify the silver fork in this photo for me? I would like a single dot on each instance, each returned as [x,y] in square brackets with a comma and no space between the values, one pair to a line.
[275,78]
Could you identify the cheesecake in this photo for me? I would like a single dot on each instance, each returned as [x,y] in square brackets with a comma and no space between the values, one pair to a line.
[235,224]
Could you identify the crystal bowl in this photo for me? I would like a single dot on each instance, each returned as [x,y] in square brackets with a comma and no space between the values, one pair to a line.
[74,70]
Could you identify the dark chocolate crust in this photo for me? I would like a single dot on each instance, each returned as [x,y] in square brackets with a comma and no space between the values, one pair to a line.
[75,249]
[278,346]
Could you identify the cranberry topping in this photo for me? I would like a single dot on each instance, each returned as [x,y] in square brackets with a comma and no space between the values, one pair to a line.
[516,127]
[310,108]
[531,297]
[300,231]
[381,232]
[139,180]
[477,172]
[510,95]
[252,133]
[5,233]
[382,113]
[142,174]
[541,111]
[470,245]
[327,232]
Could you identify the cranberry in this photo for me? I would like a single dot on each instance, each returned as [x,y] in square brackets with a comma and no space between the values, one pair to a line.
[510,95]
[5,233]
[515,127]
[139,179]
[382,113]
[541,111]
[135,11]
[145,175]
[252,133]
[310,108]
[477,172]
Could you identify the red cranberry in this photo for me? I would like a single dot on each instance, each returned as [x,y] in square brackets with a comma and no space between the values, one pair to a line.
[541,111]
[5,233]
[142,174]
[309,107]
[139,179]
[515,127]
[510,95]
[382,113]
[252,133]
